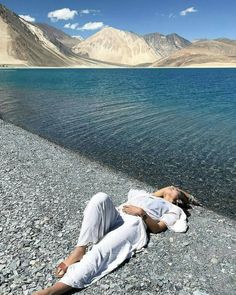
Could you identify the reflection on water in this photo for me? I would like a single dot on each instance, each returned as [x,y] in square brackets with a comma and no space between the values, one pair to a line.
[164,126]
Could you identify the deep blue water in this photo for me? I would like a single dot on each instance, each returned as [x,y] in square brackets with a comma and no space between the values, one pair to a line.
[163,126]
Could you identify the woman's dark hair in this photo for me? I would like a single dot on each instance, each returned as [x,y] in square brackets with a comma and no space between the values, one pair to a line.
[183,200]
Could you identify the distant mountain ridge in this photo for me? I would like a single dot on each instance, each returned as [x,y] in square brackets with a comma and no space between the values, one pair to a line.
[27,44]
[59,38]
[116,46]
[202,53]
[166,44]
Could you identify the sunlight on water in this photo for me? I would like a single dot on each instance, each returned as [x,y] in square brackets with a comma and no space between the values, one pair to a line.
[164,126]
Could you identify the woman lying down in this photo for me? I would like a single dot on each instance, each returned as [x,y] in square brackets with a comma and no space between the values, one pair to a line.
[115,233]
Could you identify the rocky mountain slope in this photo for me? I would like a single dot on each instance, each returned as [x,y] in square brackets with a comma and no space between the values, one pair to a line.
[63,41]
[5,46]
[27,44]
[34,44]
[219,52]
[24,43]
[166,45]
[118,47]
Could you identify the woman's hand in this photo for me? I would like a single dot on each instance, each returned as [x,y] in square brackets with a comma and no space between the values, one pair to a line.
[133,210]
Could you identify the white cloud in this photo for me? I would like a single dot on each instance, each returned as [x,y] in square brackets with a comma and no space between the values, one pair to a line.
[171,15]
[71,26]
[64,14]
[188,10]
[89,11]
[28,18]
[85,11]
[78,37]
[67,26]
[91,26]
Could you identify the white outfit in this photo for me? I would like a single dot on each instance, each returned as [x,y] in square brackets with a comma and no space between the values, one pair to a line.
[159,209]
[115,235]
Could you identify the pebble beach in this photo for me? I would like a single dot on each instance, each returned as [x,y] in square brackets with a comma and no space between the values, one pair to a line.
[43,192]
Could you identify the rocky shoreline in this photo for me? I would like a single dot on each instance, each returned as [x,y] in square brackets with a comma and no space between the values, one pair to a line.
[44,189]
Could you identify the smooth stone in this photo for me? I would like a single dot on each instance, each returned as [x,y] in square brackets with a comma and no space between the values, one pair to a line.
[214,260]
[32,262]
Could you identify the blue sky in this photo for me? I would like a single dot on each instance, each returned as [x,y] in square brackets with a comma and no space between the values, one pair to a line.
[191,19]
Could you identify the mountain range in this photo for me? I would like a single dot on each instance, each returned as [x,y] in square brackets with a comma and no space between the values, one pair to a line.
[27,44]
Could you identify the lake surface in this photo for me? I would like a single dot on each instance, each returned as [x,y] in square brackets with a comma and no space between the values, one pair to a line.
[163,126]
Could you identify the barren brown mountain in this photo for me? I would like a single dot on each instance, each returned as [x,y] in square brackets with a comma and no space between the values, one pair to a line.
[26,44]
[166,45]
[219,52]
[59,38]
[118,47]
[23,43]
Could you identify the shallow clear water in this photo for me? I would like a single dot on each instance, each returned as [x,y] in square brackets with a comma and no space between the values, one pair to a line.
[163,126]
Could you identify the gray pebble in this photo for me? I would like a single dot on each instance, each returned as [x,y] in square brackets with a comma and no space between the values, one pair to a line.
[43,192]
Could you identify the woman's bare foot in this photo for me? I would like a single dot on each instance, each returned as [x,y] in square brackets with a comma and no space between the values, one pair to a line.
[75,256]
[57,289]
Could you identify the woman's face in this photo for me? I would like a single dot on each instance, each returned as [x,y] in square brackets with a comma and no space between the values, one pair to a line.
[172,194]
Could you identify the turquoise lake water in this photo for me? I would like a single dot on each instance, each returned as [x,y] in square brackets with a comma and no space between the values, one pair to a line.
[163,126]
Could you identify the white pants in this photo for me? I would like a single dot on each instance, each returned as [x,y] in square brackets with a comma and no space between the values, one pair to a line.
[115,236]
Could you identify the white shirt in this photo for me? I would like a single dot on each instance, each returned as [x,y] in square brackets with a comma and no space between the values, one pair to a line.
[159,209]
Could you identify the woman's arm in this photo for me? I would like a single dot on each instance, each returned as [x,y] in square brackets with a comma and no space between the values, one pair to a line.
[154,226]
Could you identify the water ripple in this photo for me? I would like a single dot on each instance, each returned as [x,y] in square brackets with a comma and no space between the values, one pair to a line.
[161,126]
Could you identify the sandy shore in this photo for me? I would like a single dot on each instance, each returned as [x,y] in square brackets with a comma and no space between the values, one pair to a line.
[194,66]
[44,189]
